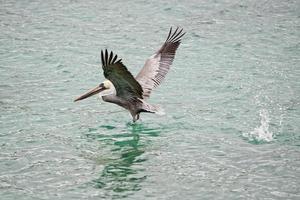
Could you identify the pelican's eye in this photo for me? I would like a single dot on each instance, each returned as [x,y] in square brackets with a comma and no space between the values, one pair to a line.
[102,85]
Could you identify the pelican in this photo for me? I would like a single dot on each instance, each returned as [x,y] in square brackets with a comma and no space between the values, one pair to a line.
[129,92]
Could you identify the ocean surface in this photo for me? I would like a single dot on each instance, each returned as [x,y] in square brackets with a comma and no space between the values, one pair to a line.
[232,101]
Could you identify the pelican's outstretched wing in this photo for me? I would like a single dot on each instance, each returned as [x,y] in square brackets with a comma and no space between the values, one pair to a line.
[114,70]
[158,65]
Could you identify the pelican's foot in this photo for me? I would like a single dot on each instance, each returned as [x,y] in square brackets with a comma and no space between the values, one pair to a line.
[135,118]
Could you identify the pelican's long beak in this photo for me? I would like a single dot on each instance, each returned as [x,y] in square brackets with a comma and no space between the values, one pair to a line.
[92,92]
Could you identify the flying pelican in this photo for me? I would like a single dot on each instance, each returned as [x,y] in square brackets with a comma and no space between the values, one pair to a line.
[121,88]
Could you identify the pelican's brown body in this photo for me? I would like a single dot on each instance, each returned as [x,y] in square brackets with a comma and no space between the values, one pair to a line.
[130,92]
[134,107]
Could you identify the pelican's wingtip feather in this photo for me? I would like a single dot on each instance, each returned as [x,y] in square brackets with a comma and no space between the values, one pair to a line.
[175,36]
[109,58]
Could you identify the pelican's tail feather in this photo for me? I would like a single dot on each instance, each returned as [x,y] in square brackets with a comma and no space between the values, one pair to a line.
[152,108]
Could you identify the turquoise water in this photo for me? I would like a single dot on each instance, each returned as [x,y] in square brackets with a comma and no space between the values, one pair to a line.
[231,129]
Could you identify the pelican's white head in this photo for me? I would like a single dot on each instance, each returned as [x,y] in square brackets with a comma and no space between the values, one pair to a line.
[109,88]
[105,88]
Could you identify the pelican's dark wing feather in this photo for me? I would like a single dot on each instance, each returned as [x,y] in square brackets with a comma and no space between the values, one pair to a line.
[115,71]
[158,65]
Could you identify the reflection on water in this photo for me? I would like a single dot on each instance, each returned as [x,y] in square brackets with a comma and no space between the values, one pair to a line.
[123,175]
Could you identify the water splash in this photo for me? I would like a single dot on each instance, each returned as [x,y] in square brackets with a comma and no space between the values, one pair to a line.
[261,133]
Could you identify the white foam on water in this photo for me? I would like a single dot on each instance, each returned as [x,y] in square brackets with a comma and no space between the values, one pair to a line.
[261,133]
